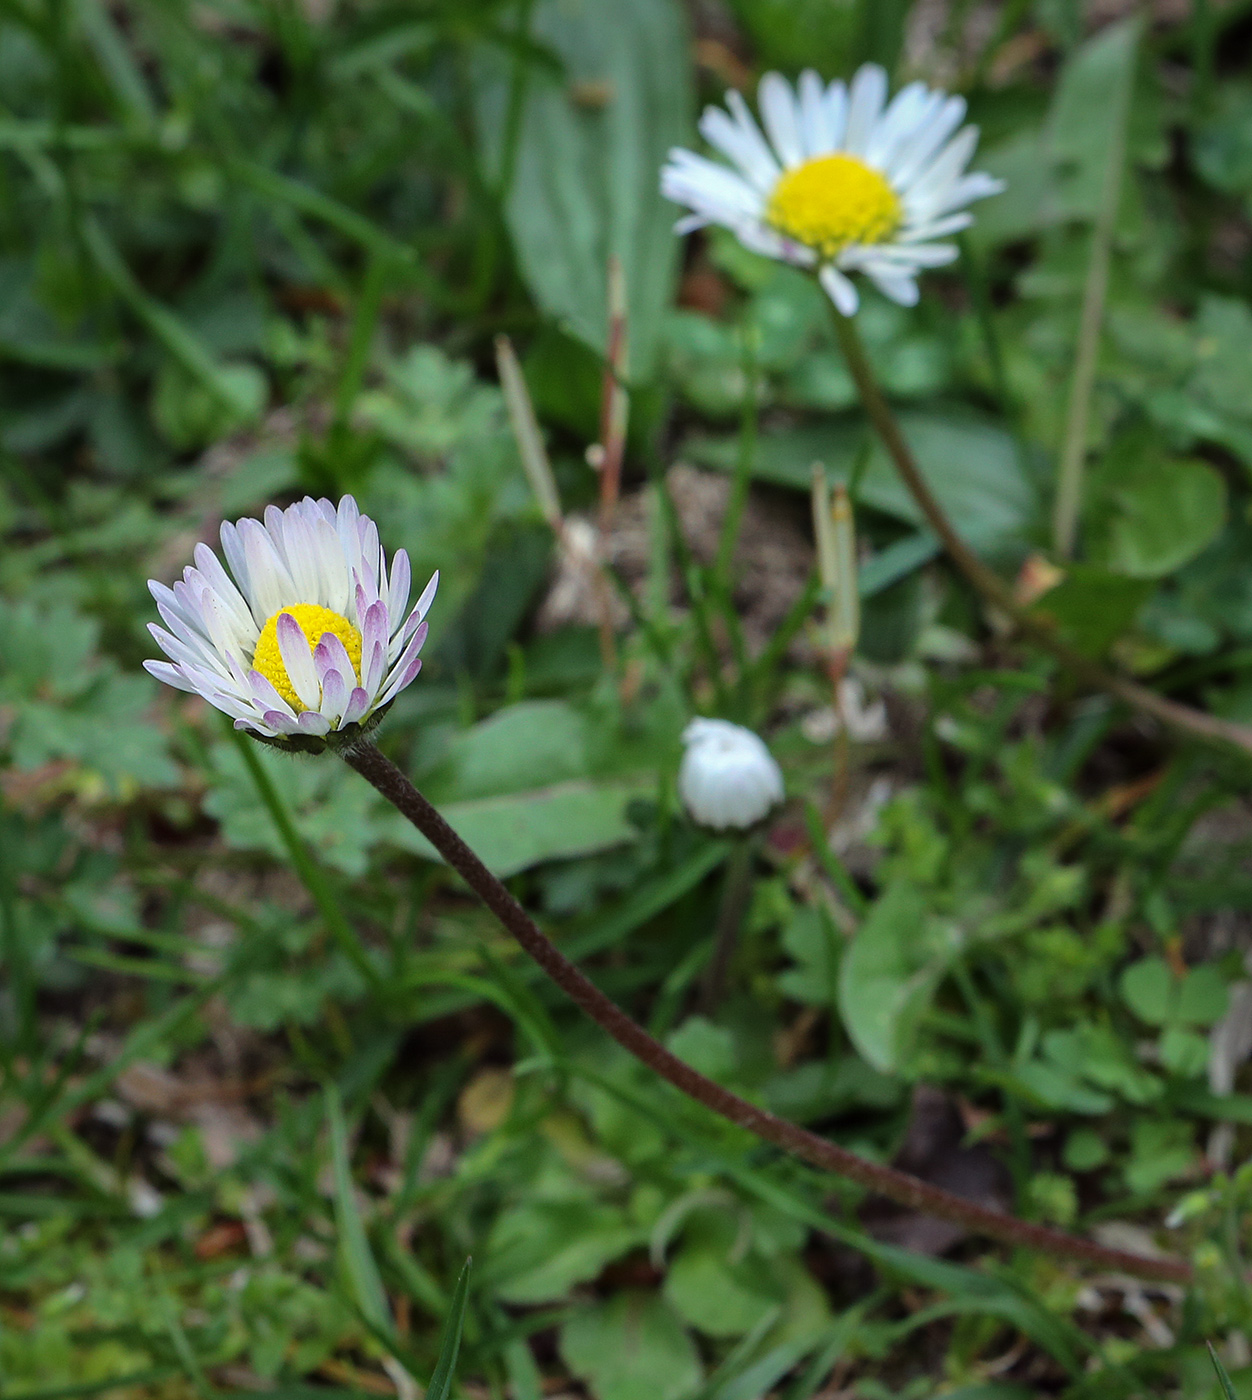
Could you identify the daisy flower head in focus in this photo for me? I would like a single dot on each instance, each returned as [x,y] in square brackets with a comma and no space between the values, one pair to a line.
[309,642]
[728,779]
[842,181]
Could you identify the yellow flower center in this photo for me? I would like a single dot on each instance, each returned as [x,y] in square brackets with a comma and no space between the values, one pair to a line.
[833,201]
[314,622]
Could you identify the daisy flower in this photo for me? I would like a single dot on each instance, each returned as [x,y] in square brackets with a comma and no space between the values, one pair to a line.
[728,778]
[310,637]
[846,182]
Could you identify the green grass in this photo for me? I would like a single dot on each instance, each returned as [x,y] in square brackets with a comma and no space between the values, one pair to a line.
[268,1078]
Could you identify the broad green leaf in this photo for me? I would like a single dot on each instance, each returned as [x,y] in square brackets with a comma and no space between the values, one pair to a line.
[1092,607]
[530,745]
[522,829]
[1165,512]
[1148,988]
[590,143]
[889,973]
[1203,996]
[538,1251]
[720,1297]
[631,1348]
[971,463]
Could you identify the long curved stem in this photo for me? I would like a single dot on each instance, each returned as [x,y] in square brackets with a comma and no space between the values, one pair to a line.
[896,1185]
[995,591]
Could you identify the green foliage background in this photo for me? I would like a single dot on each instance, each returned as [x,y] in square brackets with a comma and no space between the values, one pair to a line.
[254,248]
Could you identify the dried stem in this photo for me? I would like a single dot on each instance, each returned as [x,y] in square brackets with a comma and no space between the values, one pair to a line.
[995,591]
[898,1186]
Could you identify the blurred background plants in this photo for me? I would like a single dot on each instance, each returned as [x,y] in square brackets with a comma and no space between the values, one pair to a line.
[253,249]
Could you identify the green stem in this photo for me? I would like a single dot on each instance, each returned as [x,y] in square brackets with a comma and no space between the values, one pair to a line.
[312,877]
[742,480]
[1074,449]
[1037,629]
[736,893]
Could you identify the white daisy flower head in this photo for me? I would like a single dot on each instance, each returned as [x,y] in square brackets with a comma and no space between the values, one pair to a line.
[309,642]
[842,181]
[728,778]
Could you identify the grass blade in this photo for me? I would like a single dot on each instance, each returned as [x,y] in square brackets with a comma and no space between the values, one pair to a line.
[1223,1377]
[450,1340]
[362,1271]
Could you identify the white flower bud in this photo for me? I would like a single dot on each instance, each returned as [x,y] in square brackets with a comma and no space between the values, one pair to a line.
[728,777]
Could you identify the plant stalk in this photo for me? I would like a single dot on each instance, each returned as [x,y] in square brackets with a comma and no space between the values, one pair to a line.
[1069,481]
[898,1186]
[1039,630]
[736,892]
[312,877]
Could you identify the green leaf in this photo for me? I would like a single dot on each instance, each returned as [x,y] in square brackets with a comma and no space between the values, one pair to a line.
[354,1249]
[1148,988]
[1164,512]
[719,1297]
[1223,1377]
[450,1340]
[972,465]
[538,1251]
[589,149]
[530,745]
[631,1348]
[889,974]
[1203,996]
[1092,607]
[514,832]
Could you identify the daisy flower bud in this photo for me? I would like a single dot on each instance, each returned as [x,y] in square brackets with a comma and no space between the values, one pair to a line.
[728,778]
[309,642]
[840,182]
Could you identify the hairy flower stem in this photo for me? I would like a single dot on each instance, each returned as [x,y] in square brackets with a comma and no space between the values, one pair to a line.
[898,1186]
[1036,628]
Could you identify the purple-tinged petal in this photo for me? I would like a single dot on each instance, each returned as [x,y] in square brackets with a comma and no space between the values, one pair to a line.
[422,606]
[401,580]
[279,723]
[297,656]
[330,657]
[256,726]
[311,722]
[410,655]
[335,692]
[358,704]
[402,677]
[266,696]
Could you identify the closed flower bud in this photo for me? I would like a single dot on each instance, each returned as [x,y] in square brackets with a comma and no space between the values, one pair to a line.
[728,779]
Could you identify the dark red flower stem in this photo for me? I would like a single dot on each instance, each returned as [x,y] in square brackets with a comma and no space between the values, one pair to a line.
[896,1185]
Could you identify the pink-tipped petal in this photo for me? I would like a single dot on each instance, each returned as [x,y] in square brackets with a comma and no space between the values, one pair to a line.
[330,657]
[310,722]
[400,680]
[280,723]
[335,692]
[401,581]
[358,704]
[297,656]
[405,662]
[266,696]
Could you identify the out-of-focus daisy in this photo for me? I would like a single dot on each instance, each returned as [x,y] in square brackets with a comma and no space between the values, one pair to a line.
[845,183]
[309,639]
[728,778]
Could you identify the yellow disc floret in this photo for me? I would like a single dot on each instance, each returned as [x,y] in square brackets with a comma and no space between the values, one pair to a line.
[314,622]
[832,202]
